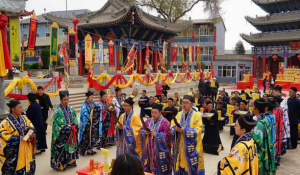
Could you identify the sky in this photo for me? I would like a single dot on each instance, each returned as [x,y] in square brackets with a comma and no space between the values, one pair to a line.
[233,13]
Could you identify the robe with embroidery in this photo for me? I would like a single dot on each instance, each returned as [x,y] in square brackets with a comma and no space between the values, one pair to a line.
[187,148]
[278,112]
[64,144]
[243,158]
[16,155]
[286,134]
[262,137]
[108,126]
[128,140]
[272,122]
[90,129]
[119,109]
[156,150]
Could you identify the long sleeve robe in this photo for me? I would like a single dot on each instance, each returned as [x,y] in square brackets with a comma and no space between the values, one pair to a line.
[156,150]
[278,112]
[187,146]
[16,155]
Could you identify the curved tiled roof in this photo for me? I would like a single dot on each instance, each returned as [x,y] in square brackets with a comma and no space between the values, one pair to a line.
[269,1]
[13,6]
[275,18]
[277,6]
[286,36]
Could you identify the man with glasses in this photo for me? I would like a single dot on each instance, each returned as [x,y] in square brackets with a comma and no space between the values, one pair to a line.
[186,130]
[127,131]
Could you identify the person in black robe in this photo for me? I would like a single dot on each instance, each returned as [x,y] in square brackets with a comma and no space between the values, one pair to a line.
[294,115]
[207,88]
[34,114]
[211,141]
[166,88]
[149,105]
[223,114]
[45,103]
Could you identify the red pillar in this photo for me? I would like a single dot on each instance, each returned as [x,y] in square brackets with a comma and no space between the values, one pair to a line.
[264,63]
[118,60]
[80,63]
[155,62]
[140,68]
[254,65]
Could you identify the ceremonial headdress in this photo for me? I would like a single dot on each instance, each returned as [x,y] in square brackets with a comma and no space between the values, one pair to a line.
[129,101]
[247,122]
[159,107]
[102,93]
[188,97]
[294,89]
[89,93]
[63,94]
[13,103]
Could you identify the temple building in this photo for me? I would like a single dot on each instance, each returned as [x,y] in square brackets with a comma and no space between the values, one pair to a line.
[275,47]
[122,24]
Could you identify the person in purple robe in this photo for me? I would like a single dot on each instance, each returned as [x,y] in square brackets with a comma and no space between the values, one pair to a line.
[155,138]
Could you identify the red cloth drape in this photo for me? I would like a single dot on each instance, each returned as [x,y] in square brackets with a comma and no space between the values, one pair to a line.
[3,24]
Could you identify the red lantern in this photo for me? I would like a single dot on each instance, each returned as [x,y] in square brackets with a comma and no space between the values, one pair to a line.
[298,56]
[275,57]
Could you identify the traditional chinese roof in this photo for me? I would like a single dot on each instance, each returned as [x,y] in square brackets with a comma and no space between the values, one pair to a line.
[281,21]
[115,12]
[272,39]
[12,6]
[27,13]
[277,6]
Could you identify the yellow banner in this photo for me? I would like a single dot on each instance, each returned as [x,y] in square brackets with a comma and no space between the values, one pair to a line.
[14,40]
[88,50]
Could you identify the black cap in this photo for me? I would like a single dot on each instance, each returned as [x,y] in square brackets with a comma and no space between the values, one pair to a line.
[102,93]
[294,89]
[63,94]
[171,99]
[219,103]
[31,97]
[247,122]
[260,102]
[189,98]
[271,103]
[13,103]
[277,88]
[159,107]
[117,89]
[244,101]
[129,101]
[89,93]
[278,99]
[208,102]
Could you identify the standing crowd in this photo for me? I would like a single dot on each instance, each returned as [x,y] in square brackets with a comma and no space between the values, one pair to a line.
[165,138]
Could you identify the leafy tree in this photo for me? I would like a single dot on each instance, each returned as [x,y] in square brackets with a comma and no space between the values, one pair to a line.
[239,48]
[45,56]
[174,10]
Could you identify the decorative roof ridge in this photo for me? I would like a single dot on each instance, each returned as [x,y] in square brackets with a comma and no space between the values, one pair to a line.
[258,2]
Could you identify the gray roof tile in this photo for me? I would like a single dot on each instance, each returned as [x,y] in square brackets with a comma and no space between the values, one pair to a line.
[14,6]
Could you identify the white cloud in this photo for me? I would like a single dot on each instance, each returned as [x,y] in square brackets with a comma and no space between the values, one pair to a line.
[234,12]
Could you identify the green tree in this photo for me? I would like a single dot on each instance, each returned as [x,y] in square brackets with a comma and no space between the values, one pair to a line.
[45,56]
[239,48]
[174,10]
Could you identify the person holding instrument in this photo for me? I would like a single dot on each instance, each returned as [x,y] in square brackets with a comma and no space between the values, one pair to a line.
[155,138]
[186,136]
[127,131]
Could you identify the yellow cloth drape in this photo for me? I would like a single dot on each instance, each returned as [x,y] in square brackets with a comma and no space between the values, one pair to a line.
[3,71]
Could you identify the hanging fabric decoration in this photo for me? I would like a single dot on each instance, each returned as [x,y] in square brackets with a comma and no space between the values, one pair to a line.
[164,51]
[147,59]
[22,54]
[198,57]
[14,26]
[88,51]
[63,53]
[190,55]
[182,57]
[5,61]
[130,60]
[54,43]
[111,56]
[32,35]
[175,54]
[101,53]
[162,62]
[72,47]
[121,54]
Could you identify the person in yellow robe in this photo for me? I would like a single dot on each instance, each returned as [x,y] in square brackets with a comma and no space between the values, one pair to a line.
[243,158]
[17,144]
[186,136]
[127,132]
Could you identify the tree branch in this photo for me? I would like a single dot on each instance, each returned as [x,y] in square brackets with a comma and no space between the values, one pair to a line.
[184,12]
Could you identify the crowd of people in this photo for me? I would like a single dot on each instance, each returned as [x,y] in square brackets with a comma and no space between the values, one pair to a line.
[165,138]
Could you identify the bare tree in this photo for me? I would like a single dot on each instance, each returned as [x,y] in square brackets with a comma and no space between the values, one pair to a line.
[174,10]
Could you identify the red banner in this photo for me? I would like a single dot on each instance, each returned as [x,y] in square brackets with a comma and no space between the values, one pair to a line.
[32,33]
[175,54]
[111,55]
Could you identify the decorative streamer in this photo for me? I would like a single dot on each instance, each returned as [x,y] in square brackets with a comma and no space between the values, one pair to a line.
[101,53]
[147,59]
[111,56]
[190,54]
[32,35]
[164,51]
[130,60]
[54,43]
[182,57]
[162,62]
[121,54]
[63,53]
[198,57]
[88,51]
[175,54]
[72,47]
[14,39]
[5,61]
[22,54]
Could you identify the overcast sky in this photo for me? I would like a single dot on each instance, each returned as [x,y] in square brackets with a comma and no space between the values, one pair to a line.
[234,12]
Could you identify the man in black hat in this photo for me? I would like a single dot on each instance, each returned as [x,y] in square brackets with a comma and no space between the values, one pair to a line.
[294,115]
[220,107]
[45,103]
[128,131]
[116,100]
[190,122]
[90,125]
[17,144]
[34,114]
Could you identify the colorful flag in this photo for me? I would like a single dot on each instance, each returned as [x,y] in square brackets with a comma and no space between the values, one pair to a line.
[32,35]
[101,53]
[175,54]
[14,39]
[54,43]
[41,62]
[111,56]
[88,51]
[121,54]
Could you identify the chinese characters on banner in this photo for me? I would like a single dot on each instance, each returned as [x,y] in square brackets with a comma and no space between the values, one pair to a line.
[111,56]
[54,43]
[14,40]
[88,51]
[32,35]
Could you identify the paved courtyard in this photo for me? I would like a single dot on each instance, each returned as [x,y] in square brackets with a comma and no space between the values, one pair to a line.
[290,162]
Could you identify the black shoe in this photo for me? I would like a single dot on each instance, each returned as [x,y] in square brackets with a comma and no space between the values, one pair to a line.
[89,153]
[94,152]
[43,150]
[72,165]
[38,153]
